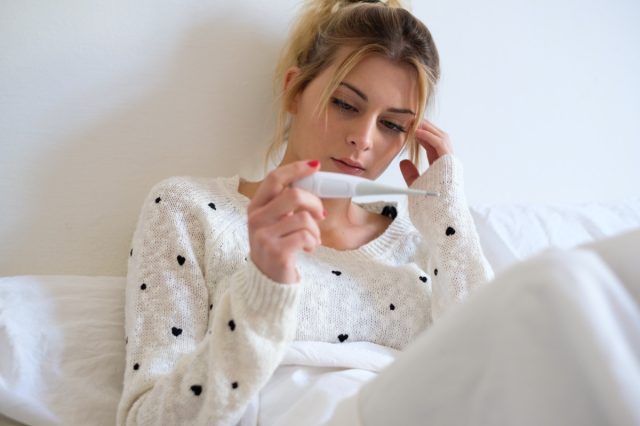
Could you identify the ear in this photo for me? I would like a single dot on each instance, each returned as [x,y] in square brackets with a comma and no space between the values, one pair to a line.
[289,76]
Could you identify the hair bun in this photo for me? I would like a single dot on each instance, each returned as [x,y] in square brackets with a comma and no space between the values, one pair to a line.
[391,3]
[335,5]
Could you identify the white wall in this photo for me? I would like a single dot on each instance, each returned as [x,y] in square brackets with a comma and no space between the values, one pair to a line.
[541,97]
[100,100]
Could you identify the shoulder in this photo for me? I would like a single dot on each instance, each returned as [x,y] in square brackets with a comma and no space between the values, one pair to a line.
[185,190]
[213,202]
[180,185]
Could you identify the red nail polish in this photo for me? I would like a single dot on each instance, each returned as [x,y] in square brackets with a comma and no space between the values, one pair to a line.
[313,163]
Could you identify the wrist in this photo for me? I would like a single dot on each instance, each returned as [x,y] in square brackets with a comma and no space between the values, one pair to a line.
[280,273]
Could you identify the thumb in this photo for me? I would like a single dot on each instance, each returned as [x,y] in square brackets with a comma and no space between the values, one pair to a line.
[409,171]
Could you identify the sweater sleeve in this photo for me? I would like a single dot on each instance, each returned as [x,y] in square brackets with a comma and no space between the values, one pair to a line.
[451,245]
[187,363]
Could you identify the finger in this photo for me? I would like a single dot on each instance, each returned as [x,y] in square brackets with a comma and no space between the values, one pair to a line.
[432,129]
[273,242]
[428,134]
[409,171]
[428,140]
[426,124]
[439,143]
[289,200]
[281,178]
[289,236]
[300,240]
[293,223]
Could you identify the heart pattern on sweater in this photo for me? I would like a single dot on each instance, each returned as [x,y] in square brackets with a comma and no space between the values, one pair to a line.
[384,313]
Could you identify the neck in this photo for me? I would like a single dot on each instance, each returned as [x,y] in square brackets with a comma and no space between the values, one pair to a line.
[341,213]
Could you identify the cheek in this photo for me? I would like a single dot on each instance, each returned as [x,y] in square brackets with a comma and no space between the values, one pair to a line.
[320,123]
[387,153]
[393,145]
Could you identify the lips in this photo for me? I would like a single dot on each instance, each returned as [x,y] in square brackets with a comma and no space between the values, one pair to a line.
[349,163]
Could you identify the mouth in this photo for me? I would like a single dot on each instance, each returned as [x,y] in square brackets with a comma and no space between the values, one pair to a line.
[348,166]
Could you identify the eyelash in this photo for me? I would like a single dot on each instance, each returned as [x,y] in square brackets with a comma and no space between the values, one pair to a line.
[343,105]
[349,108]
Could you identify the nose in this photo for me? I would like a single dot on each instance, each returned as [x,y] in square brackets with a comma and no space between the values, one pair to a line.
[361,133]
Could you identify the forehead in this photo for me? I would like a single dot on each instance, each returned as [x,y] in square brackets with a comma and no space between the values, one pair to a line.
[381,79]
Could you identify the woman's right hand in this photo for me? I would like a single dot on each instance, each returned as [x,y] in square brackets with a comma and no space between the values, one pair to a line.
[283,220]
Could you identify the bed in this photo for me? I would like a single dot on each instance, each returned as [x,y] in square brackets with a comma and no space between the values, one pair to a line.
[62,336]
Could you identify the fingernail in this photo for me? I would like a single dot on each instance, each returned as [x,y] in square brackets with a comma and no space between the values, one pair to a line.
[324,213]
[313,163]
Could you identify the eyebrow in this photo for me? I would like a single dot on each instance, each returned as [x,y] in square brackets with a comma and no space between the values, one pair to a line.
[364,97]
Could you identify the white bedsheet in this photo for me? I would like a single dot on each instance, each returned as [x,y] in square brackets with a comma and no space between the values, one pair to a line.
[313,379]
[61,349]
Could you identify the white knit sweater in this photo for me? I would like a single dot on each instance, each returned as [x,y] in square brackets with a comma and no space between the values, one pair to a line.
[205,329]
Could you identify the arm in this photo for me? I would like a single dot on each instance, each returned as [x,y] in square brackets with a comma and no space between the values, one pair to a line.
[451,245]
[450,240]
[186,364]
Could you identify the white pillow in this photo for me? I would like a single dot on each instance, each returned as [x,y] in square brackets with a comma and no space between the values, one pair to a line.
[61,349]
[511,233]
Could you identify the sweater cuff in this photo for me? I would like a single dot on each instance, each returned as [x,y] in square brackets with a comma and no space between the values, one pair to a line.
[266,296]
[444,174]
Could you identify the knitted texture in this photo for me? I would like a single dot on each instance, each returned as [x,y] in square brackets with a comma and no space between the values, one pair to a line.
[205,329]
[452,242]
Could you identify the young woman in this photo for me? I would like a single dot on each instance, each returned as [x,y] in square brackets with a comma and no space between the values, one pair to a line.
[223,273]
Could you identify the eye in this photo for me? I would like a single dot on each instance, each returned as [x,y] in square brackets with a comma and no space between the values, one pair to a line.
[393,126]
[342,105]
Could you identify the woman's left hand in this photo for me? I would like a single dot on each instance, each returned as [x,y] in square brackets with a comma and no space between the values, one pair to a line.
[435,141]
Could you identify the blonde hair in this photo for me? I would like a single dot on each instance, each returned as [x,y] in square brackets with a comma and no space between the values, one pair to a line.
[384,28]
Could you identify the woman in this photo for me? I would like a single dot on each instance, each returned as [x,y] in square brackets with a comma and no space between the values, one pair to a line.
[224,273]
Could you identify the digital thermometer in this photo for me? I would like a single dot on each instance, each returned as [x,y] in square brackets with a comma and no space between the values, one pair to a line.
[338,185]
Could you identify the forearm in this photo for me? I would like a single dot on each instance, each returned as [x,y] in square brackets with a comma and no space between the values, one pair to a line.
[457,262]
[245,341]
